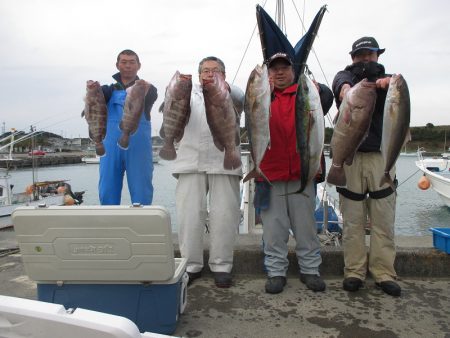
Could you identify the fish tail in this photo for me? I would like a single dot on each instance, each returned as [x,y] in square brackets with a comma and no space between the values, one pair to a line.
[250,175]
[256,172]
[264,176]
[336,176]
[124,141]
[232,159]
[100,149]
[168,152]
[387,179]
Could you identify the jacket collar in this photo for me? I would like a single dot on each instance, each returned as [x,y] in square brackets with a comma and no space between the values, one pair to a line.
[292,89]
[118,78]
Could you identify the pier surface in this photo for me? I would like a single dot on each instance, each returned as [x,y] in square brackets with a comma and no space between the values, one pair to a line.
[245,310]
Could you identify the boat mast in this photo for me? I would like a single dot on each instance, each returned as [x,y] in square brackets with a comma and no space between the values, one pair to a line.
[33,164]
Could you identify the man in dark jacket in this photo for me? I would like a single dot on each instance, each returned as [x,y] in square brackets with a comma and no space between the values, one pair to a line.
[363,200]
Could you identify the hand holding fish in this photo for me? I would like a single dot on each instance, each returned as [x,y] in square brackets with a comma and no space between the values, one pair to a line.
[345,87]
[383,83]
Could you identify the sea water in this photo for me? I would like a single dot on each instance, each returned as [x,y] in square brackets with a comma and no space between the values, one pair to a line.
[416,211]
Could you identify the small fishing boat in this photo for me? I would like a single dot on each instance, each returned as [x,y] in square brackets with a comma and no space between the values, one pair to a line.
[46,192]
[90,159]
[57,192]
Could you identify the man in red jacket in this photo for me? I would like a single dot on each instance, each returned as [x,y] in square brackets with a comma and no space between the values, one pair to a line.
[281,165]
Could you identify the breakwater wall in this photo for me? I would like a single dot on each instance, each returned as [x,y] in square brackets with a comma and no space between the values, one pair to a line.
[40,161]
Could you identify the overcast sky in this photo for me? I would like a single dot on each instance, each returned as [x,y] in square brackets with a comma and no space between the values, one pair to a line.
[51,47]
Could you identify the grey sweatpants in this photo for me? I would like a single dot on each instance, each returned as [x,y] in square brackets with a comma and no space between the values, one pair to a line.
[296,212]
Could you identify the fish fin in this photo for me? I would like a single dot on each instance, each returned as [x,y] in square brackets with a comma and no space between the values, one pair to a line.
[179,137]
[387,179]
[100,149]
[408,137]
[124,141]
[349,159]
[162,134]
[218,144]
[299,191]
[168,152]
[232,159]
[161,108]
[336,176]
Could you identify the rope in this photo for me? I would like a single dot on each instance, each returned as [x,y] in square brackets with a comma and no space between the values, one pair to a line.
[246,49]
[409,177]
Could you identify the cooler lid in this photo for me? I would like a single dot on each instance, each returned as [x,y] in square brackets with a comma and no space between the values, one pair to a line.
[31,318]
[95,243]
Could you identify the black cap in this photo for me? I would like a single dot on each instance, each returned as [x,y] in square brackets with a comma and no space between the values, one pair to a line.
[366,42]
[276,56]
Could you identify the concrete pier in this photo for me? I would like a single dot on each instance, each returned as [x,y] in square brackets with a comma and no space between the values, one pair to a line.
[245,310]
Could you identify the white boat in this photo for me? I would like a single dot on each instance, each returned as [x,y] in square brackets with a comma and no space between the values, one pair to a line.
[96,159]
[91,159]
[37,193]
[437,171]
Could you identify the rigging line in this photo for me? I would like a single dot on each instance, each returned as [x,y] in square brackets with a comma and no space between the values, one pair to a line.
[246,48]
[298,14]
[304,9]
[409,177]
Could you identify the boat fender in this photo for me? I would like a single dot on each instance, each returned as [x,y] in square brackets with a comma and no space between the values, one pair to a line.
[424,183]
[29,189]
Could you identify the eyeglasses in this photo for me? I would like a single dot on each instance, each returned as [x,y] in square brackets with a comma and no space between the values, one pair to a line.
[208,70]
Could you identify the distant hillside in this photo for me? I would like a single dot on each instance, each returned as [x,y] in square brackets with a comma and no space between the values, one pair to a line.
[431,138]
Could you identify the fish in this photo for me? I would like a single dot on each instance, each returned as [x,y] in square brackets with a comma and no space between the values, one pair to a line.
[132,111]
[310,130]
[396,118]
[257,115]
[352,127]
[95,112]
[176,110]
[222,119]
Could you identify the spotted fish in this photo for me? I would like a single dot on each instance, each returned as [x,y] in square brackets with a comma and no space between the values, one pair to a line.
[176,112]
[222,119]
[132,111]
[95,112]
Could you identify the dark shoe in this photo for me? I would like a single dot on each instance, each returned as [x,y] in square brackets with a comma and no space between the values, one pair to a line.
[275,284]
[313,282]
[193,276]
[390,287]
[222,279]
[352,284]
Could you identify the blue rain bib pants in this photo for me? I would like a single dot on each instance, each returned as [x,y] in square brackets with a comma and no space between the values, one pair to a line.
[137,160]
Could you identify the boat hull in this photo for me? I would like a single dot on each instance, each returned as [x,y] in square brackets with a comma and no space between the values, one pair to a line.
[6,210]
[438,173]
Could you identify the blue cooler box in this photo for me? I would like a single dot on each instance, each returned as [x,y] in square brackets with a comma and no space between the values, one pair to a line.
[113,259]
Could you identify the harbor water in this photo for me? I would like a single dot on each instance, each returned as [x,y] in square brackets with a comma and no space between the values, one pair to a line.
[416,212]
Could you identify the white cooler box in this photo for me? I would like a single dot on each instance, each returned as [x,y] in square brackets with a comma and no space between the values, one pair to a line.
[112,259]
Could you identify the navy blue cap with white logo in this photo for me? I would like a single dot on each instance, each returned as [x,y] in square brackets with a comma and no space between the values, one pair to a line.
[366,42]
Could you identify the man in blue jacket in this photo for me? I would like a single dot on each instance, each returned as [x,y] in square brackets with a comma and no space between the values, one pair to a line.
[137,159]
